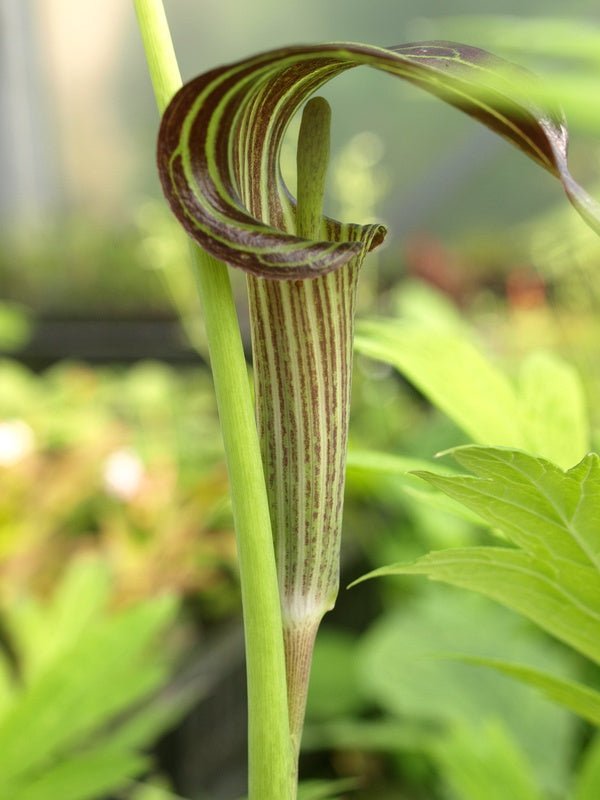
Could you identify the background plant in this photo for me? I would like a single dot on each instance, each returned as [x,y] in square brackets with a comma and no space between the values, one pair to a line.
[77,688]
[475,247]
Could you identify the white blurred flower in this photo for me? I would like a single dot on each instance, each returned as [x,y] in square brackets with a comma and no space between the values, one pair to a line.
[123,474]
[17,440]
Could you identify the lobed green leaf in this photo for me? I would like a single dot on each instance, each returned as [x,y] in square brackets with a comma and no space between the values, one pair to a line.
[73,688]
[551,514]
[552,576]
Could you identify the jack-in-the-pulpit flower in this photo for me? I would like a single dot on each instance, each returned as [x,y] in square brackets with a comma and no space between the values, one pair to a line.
[218,157]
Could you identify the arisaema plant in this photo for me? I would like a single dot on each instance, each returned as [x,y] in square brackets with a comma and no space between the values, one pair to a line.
[218,158]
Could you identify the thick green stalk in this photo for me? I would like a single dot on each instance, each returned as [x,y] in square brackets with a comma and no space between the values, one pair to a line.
[270,754]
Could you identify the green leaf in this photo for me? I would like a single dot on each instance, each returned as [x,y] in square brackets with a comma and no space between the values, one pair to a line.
[156,717]
[325,790]
[15,326]
[7,683]
[221,135]
[82,777]
[551,514]
[74,728]
[451,372]
[441,502]
[400,466]
[42,633]
[106,672]
[384,734]
[564,37]
[481,762]
[552,517]
[404,468]
[512,578]
[421,304]
[545,414]
[404,666]
[86,672]
[486,765]
[572,695]
[587,785]
[553,413]
[152,790]
[333,685]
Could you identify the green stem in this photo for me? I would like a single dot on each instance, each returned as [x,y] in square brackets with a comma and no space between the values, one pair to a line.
[270,753]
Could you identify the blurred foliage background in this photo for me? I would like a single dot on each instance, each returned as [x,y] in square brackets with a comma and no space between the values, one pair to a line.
[119,608]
